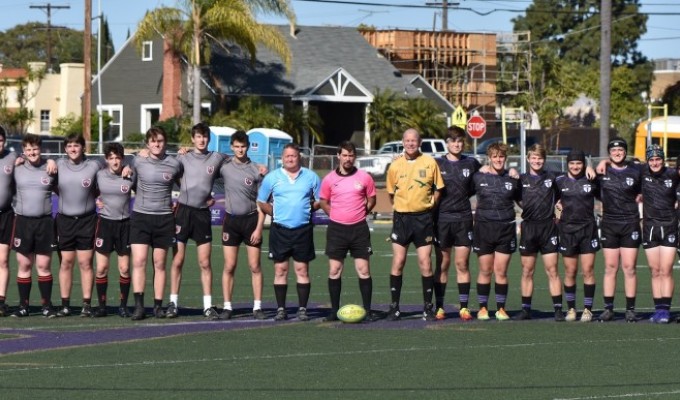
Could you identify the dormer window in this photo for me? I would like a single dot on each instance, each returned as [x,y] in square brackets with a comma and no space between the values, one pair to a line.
[147,51]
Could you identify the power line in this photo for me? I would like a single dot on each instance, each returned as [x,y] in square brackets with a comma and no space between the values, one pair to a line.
[48,10]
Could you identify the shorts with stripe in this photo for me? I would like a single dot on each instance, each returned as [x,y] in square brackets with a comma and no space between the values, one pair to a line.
[155,230]
[416,228]
[112,235]
[237,229]
[538,236]
[75,233]
[614,235]
[354,238]
[34,235]
[193,223]
[494,236]
[575,239]
[297,243]
[659,235]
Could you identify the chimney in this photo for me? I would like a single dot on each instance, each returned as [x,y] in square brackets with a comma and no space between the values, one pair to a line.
[172,82]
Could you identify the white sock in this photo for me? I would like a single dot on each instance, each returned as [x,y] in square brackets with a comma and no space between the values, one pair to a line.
[207,302]
[227,305]
[174,298]
[257,305]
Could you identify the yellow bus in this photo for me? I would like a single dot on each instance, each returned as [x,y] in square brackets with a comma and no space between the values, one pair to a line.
[665,132]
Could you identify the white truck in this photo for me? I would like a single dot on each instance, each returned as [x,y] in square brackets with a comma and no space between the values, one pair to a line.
[377,164]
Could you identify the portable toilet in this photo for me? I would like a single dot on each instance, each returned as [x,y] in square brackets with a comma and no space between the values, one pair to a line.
[266,146]
[220,139]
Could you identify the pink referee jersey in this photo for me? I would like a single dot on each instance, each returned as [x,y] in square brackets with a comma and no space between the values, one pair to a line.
[347,195]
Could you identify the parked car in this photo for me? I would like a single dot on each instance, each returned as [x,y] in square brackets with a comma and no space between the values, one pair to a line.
[376,165]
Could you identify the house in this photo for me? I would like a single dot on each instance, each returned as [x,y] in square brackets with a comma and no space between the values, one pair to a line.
[333,69]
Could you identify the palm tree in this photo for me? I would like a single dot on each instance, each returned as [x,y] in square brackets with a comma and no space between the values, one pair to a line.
[197,25]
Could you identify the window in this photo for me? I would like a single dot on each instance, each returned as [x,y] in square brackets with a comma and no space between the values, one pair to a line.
[147,51]
[115,130]
[45,121]
[150,114]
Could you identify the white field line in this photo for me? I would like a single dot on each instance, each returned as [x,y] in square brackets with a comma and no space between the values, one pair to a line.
[622,395]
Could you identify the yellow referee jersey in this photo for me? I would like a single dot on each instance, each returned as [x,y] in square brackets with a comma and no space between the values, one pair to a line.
[412,183]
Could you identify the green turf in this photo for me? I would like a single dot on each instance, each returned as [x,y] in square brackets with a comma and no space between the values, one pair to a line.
[510,360]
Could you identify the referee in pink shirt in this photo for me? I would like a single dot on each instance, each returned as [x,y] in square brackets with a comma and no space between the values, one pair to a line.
[347,196]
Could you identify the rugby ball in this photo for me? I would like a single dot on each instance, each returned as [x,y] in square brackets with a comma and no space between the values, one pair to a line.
[351,313]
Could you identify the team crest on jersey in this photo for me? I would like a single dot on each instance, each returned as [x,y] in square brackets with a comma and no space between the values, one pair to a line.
[422,173]
[629,181]
[86,183]
[248,181]
[211,169]
[99,242]
[178,229]
[547,183]
[45,180]
[593,243]
[671,238]
[508,186]
[124,188]
[225,236]
[668,183]
[358,185]
[167,176]
[553,240]
[466,172]
[635,235]
[8,169]
[587,188]
[17,242]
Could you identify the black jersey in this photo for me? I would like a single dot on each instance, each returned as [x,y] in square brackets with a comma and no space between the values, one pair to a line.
[659,196]
[496,195]
[538,196]
[577,197]
[618,191]
[454,203]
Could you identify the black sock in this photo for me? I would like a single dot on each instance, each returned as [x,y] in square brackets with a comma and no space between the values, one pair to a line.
[280,294]
[428,285]
[666,301]
[464,294]
[24,287]
[483,291]
[157,303]
[609,302]
[334,289]
[588,296]
[66,302]
[366,289]
[395,288]
[124,283]
[526,302]
[630,303]
[139,299]
[657,303]
[303,290]
[439,293]
[501,290]
[557,302]
[45,287]
[102,285]
[570,294]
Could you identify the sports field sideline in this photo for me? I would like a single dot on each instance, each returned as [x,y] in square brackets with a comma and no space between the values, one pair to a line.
[191,358]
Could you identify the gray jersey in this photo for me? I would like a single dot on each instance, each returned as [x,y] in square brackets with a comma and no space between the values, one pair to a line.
[34,190]
[76,186]
[114,191]
[7,160]
[198,176]
[155,179]
[241,182]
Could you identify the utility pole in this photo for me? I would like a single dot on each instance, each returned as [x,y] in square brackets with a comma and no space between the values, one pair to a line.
[48,10]
[87,60]
[445,12]
[605,73]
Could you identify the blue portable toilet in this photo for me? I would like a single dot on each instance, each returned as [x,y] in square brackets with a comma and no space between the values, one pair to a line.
[220,139]
[266,146]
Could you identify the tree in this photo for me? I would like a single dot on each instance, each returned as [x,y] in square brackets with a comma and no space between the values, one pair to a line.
[27,42]
[565,57]
[197,25]
[671,96]
[16,119]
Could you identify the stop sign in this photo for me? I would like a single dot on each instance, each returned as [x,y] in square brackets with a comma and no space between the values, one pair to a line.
[476,127]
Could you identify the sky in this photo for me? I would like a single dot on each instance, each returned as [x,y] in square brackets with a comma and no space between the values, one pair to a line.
[662,39]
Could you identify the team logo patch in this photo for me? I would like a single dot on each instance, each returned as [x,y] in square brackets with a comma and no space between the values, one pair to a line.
[593,243]
[358,185]
[17,242]
[167,176]
[587,188]
[671,238]
[422,173]
[8,169]
[45,180]
[99,242]
[553,240]
[124,188]
[470,235]
[178,229]
[547,183]
[225,236]
[86,182]
[248,182]
[635,235]
[428,239]
[211,169]
[513,245]
[394,236]
[508,186]
[629,181]
[668,183]
[466,172]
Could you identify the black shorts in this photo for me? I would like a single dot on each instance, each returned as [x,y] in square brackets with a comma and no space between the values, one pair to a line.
[296,242]
[112,235]
[155,230]
[615,235]
[578,239]
[34,235]
[75,233]
[494,236]
[355,238]
[6,224]
[659,235]
[539,236]
[237,229]
[453,234]
[416,228]
[193,223]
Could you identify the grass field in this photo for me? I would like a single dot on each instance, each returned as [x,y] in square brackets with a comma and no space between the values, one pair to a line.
[188,357]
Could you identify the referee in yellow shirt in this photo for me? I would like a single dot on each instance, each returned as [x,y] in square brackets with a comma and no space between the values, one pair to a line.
[413,183]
